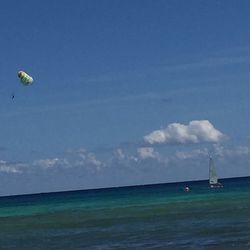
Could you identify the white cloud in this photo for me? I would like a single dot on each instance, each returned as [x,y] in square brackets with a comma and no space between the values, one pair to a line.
[9,168]
[124,157]
[88,158]
[50,163]
[184,155]
[147,152]
[119,154]
[243,150]
[91,158]
[197,131]
[80,158]
[232,152]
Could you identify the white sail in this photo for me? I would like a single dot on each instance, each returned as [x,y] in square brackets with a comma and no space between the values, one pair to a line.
[213,179]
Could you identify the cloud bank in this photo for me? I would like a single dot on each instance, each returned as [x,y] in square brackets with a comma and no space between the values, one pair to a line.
[198,131]
[130,164]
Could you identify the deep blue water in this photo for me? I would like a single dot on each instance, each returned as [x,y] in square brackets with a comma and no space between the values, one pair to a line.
[159,216]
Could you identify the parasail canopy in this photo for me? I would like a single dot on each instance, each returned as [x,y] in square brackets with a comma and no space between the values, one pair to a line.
[25,78]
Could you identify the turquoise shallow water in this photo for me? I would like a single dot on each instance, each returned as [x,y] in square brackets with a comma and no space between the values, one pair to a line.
[143,217]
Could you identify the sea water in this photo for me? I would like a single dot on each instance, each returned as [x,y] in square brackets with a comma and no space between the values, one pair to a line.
[160,216]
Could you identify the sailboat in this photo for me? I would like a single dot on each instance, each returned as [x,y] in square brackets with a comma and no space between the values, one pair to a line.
[213,178]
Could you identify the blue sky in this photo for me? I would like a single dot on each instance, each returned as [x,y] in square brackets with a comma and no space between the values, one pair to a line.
[124,93]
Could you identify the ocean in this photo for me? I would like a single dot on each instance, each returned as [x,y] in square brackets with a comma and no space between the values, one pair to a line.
[160,216]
